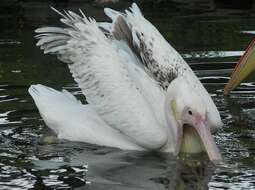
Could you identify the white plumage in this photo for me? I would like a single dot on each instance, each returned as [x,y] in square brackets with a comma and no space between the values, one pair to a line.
[123,69]
[73,121]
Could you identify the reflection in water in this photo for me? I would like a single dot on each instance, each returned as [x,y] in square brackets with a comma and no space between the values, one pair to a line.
[127,169]
[206,32]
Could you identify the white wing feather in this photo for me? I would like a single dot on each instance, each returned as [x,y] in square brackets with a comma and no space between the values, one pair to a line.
[148,87]
[104,79]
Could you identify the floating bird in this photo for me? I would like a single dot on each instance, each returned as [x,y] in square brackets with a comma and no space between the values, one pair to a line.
[244,67]
[141,93]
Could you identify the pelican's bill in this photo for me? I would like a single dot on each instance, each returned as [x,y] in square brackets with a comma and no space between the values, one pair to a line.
[243,69]
[196,139]
[191,142]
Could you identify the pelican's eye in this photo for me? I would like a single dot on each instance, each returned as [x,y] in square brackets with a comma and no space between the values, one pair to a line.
[190,112]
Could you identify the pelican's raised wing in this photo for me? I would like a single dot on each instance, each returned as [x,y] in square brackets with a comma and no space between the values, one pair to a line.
[158,57]
[161,59]
[96,66]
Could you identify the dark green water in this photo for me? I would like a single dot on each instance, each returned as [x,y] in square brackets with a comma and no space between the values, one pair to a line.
[207,33]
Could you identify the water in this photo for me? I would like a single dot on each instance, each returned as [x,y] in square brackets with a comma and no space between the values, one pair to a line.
[210,35]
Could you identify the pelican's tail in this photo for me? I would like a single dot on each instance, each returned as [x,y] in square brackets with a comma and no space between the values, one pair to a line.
[71,120]
[44,94]
[54,106]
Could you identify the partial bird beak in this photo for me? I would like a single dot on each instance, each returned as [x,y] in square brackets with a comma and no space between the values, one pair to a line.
[204,132]
[179,138]
[244,67]
[206,138]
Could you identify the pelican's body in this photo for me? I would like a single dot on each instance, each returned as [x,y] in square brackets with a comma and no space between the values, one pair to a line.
[141,93]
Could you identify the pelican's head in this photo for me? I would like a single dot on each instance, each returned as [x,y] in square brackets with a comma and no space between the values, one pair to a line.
[187,117]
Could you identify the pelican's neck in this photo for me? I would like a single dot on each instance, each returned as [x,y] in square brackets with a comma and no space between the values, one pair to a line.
[171,125]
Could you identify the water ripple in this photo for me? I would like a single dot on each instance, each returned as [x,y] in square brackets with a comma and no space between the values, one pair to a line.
[212,54]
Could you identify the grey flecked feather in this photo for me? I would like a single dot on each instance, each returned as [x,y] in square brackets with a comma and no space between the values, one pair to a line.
[122,31]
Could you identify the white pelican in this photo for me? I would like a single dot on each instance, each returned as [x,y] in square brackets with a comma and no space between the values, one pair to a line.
[141,93]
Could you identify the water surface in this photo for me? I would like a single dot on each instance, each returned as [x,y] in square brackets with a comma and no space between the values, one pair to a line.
[210,35]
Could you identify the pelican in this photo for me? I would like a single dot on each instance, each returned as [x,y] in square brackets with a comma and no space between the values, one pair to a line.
[243,69]
[141,93]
